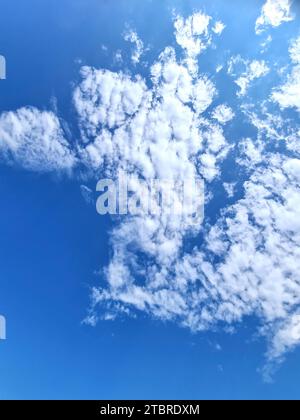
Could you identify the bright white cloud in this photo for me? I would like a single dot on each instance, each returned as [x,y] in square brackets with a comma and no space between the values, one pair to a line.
[112,97]
[153,131]
[203,94]
[274,13]
[219,28]
[34,140]
[223,114]
[194,35]
[287,336]
[288,95]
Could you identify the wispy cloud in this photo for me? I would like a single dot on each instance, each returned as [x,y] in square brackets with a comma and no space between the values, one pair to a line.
[131,36]
[252,70]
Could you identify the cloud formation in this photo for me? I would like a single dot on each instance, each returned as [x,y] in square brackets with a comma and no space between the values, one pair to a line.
[153,133]
[288,95]
[274,13]
[131,36]
[252,70]
[194,34]
[34,140]
[223,114]
[248,263]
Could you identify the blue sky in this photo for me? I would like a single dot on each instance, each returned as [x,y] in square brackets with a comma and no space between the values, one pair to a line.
[217,336]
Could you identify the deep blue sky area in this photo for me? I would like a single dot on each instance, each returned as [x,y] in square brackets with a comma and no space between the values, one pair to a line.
[52,243]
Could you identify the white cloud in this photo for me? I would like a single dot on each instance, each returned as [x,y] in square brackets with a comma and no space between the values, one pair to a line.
[219,68]
[229,187]
[253,70]
[203,94]
[266,43]
[272,129]
[257,244]
[288,95]
[118,57]
[152,131]
[34,140]
[295,51]
[107,99]
[223,114]
[259,241]
[287,336]
[219,28]
[274,13]
[251,154]
[131,36]
[194,35]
